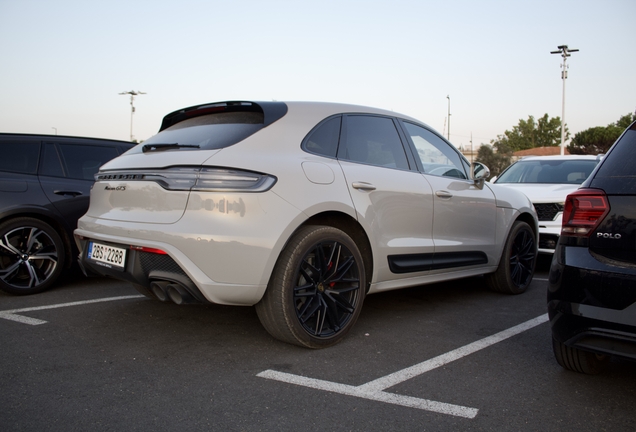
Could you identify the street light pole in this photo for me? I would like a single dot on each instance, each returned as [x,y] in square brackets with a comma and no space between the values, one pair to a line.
[565,53]
[449,114]
[132,94]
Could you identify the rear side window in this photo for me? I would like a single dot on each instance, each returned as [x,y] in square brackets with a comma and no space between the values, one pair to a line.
[617,173]
[51,164]
[19,156]
[324,139]
[75,161]
[373,140]
[209,132]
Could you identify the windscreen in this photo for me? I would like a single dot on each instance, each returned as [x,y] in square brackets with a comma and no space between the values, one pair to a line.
[557,171]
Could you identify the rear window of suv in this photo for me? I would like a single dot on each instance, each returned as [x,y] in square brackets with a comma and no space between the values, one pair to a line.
[617,173]
[210,131]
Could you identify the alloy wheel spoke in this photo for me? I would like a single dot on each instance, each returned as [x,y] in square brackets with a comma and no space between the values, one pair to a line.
[309,309]
[30,239]
[34,279]
[8,273]
[320,318]
[326,290]
[340,302]
[7,246]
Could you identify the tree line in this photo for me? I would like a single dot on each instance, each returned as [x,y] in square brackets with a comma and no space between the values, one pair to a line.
[546,132]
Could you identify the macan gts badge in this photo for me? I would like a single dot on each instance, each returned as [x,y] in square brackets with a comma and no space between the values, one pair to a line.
[301,209]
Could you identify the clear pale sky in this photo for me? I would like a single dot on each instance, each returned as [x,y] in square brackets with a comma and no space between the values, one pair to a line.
[63,63]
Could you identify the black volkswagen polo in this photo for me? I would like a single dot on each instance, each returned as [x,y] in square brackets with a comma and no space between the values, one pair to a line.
[592,288]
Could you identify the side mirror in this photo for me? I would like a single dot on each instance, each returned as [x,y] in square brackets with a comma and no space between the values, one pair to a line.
[479,173]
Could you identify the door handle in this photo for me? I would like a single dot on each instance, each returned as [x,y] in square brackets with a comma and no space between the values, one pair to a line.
[443,194]
[363,186]
[67,193]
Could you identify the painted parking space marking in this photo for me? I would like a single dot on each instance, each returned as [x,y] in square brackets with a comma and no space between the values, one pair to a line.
[12,315]
[375,390]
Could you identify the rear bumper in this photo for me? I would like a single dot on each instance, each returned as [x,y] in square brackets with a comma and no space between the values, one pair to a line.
[592,304]
[144,268]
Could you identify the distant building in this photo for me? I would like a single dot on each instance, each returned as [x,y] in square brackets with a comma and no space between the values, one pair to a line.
[538,151]
[471,154]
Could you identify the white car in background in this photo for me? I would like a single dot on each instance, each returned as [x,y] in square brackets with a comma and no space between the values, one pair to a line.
[547,180]
[301,209]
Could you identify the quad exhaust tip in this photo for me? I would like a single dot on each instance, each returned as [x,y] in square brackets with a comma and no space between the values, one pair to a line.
[171,291]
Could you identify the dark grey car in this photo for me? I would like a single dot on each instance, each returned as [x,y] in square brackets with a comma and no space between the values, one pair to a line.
[45,184]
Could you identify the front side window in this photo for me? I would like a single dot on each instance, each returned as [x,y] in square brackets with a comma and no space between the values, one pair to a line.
[436,156]
[373,140]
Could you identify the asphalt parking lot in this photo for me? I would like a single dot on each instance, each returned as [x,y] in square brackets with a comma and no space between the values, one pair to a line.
[94,355]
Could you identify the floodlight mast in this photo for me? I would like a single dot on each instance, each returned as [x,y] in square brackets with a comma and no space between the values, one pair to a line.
[132,94]
[565,53]
[449,114]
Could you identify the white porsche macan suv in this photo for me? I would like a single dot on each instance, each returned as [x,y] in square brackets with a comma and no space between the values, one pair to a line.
[301,209]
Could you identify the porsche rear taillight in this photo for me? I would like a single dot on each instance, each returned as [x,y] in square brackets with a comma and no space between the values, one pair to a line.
[584,211]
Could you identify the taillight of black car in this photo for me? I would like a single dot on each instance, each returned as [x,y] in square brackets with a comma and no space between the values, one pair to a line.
[584,211]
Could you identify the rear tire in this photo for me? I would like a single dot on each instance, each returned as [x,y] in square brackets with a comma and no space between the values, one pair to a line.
[577,360]
[32,256]
[517,263]
[317,288]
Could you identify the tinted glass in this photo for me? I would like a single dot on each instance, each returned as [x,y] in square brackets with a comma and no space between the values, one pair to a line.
[436,155]
[375,141]
[211,131]
[19,156]
[548,171]
[51,164]
[83,161]
[617,174]
[324,139]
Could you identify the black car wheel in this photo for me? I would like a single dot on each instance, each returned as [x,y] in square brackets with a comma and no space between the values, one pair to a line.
[517,263]
[316,290]
[31,256]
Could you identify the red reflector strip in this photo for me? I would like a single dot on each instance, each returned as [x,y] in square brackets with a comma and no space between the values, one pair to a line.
[149,250]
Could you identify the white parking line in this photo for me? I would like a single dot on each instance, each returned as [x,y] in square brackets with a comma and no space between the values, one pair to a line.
[374,390]
[12,314]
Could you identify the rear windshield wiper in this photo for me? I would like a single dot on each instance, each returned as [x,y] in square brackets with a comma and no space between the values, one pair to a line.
[161,147]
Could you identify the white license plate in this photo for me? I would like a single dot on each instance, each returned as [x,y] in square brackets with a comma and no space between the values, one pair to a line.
[108,256]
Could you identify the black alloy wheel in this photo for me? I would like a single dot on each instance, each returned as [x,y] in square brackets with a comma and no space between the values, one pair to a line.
[31,256]
[522,258]
[316,291]
[518,261]
[327,289]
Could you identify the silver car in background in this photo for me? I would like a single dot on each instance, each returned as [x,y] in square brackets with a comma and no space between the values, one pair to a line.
[301,209]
